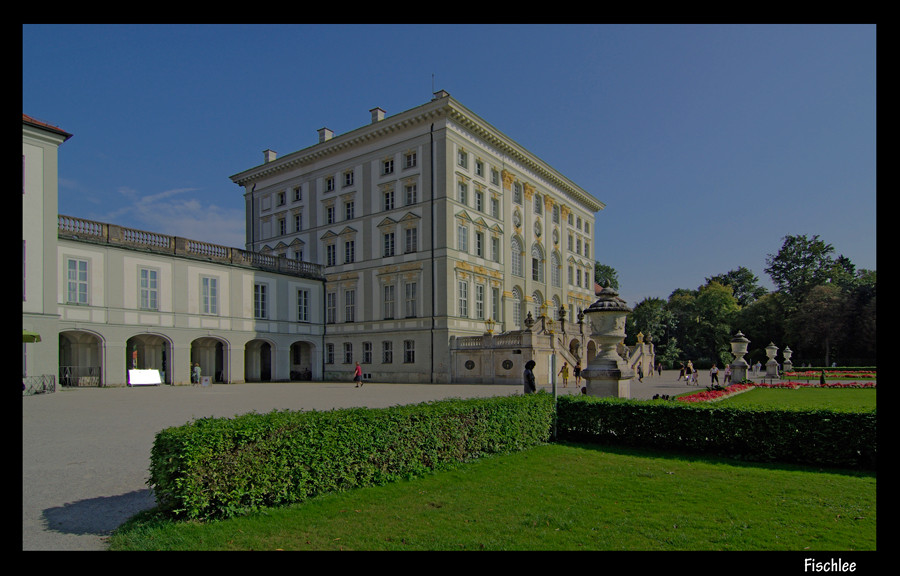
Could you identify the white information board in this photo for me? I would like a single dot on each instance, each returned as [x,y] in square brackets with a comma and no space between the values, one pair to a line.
[144,378]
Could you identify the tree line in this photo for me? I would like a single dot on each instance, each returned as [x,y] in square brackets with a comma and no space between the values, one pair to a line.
[823,308]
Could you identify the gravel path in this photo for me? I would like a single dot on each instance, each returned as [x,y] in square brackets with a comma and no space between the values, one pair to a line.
[86,452]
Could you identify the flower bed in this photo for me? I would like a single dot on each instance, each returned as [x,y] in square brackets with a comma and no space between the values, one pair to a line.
[832,374]
[710,395]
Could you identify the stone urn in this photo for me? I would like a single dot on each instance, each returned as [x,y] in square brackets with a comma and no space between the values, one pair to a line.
[608,374]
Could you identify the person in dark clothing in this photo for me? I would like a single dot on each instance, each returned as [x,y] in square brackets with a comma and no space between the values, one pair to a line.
[529,377]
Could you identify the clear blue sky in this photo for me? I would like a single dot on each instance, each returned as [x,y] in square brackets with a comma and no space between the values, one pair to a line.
[707,143]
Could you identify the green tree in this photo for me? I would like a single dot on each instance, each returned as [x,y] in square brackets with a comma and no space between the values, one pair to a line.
[716,309]
[801,264]
[763,321]
[604,273]
[744,284]
[821,318]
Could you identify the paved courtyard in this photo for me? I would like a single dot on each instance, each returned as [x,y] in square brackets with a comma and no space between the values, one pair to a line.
[86,452]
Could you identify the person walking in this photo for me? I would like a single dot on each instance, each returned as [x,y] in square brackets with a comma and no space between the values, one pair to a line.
[529,377]
[689,372]
[197,372]
[640,373]
[714,374]
[659,368]
[681,372]
[564,372]
[577,371]
[727,379]
[357,376]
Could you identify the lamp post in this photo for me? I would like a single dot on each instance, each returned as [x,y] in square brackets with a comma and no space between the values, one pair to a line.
[739,366]
[489,326]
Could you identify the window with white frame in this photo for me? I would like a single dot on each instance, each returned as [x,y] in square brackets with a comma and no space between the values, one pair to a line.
[462,238]
[479,244]
[329,215]
[554,269]
[349,251]
[517,193]
[348,353]
[387,166]
[388,198]
[496,250]
[388,243]
[412,194]
[298,194]
[495,304]
[367,353]
[209,295]
[479,200]
[329,353]
[479,168]
[76,281]
[537,263]
[462,298]
[517,306]
[495,177]
[479,301]
[331,307]
[348,178]
[149,286]
[388,301]
[411,303]
[538,204]
[349,210]
[387,352]
[329,184]
[330,255]
[462,159]
[259,300]
[409,351]
[495,207]
[282,226]
[412,240]
[410,160]
[463,195]
[302,305]
[515,249]
[298,222]
[349,305]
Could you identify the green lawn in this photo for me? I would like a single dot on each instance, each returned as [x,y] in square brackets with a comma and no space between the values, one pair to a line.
[852,399]
[559,497]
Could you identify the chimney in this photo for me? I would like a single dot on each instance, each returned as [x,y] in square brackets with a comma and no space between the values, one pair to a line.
[377,115]
[268,156]
[325,134]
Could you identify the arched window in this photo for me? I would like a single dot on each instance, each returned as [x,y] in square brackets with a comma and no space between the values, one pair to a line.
[537,263]
[554,269]
[515,248]
[517,307]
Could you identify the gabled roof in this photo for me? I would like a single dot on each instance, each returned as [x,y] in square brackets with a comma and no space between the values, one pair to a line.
[32,121]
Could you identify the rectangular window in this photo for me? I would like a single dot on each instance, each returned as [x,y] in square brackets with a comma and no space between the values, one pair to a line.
[479,244]
[298,194]
[259,301]
[329,214]
[462,158]
[410,299]
[412,240]
[367,353]
[348,353]
[462,239]
[412,194]
[329,184]
[349,305]
[538,204]
[479,301]
[77,281]
[388,167]
[209,295]
[479,200]
[348,178]
[495,207]
[410,160]
[349,251]
[389,301]
[349,210]
[463,194]
[282,226]
[463,298]
[330,255]
[389,200]
[495,177]
[409,351]
[517,193]
[329,353]
[149,289]
[331,307]
[298,226]
[302,305]
[387,352]
[495,304]
[388,244]
[479,168]
[281,198]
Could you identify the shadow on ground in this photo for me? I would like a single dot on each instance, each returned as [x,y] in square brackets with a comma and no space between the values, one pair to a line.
[98,516]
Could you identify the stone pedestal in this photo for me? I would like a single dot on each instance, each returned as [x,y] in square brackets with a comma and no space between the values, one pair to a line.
[608,374]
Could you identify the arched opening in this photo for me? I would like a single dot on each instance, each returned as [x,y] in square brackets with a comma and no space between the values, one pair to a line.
[80,359]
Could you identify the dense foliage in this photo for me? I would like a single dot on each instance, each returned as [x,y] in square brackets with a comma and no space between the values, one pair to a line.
[221,467]
[809,437]
[823,309]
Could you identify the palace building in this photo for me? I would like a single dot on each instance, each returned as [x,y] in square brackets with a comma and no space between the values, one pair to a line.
[397,245]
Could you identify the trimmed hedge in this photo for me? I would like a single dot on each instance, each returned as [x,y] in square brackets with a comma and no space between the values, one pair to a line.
[808,437]
[222,467]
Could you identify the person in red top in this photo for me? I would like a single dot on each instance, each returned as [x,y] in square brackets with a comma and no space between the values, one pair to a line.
[357,376]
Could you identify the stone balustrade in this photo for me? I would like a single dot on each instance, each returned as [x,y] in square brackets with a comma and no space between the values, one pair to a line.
[91,231]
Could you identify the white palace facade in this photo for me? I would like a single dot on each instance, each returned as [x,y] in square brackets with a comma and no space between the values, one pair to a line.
[389,245]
